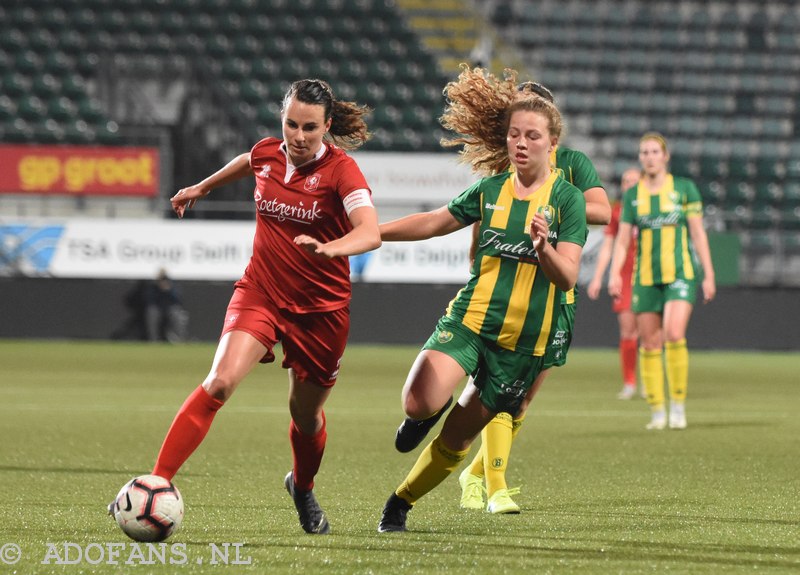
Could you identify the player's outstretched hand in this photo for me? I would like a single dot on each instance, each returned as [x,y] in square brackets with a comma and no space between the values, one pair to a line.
[186,198]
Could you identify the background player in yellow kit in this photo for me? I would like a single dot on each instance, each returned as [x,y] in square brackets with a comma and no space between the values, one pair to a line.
[668,212]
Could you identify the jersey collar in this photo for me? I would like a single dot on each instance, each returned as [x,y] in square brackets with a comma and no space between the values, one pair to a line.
[291,168]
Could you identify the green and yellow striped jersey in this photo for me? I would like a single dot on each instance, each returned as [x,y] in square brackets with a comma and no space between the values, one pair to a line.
[507,299]
[664,252]
[576,168]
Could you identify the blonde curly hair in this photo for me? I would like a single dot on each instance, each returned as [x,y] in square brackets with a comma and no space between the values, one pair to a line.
[479,106]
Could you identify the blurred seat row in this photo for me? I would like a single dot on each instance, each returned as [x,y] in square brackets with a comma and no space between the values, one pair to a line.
[719,78]
[51,50]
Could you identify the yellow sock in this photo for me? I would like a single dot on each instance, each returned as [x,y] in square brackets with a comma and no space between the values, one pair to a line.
[651,364]
[476,467]
[433,466]
[676,356]
[516,424]
[497,445]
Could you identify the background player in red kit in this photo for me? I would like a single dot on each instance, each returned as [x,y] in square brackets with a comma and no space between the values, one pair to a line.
[313,210]
[628,332]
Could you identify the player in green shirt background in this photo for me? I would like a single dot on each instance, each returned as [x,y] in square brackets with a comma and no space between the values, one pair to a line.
[668,212]
[497,328]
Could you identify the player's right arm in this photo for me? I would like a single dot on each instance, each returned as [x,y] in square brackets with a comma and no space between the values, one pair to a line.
[236,169]
[420,226]
[621,245]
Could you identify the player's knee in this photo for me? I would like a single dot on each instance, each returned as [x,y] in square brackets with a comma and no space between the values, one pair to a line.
[219,386]
[651,342]
[454,439]
[672,335]
[308,424]
[419,407]
[308,420]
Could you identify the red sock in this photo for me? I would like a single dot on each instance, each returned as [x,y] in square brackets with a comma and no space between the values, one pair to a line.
[306,454]
[628,355]
[186,432]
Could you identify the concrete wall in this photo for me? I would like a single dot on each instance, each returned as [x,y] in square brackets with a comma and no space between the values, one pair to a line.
[740,318]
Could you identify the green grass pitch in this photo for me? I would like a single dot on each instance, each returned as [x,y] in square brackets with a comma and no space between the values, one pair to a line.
[599,493]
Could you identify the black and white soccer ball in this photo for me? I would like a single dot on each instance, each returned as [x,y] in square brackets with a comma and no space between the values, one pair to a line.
[148,508]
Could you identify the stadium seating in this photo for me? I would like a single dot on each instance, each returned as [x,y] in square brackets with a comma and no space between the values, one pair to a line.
[254,48]
[720,79]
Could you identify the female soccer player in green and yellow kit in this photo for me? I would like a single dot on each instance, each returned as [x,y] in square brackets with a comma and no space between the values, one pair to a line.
[497,328]
[668,212]
[491,462]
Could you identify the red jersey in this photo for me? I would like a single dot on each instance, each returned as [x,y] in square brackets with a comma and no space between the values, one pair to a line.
[307,201]
[611,230]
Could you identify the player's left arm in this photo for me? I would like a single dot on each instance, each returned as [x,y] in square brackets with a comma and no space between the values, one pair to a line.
[618,255]
[560,264]
[700,241]
[364,236]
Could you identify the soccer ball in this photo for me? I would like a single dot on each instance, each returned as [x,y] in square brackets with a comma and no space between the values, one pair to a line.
[148,508]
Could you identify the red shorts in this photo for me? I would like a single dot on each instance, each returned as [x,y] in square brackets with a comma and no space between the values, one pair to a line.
[623,302]
[313,343]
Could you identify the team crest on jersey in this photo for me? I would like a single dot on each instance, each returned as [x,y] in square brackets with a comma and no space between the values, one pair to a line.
[312,182]
[264,173]
[549,214]
[445,336]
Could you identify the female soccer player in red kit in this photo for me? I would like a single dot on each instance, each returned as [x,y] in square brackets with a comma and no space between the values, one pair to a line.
[313,210]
